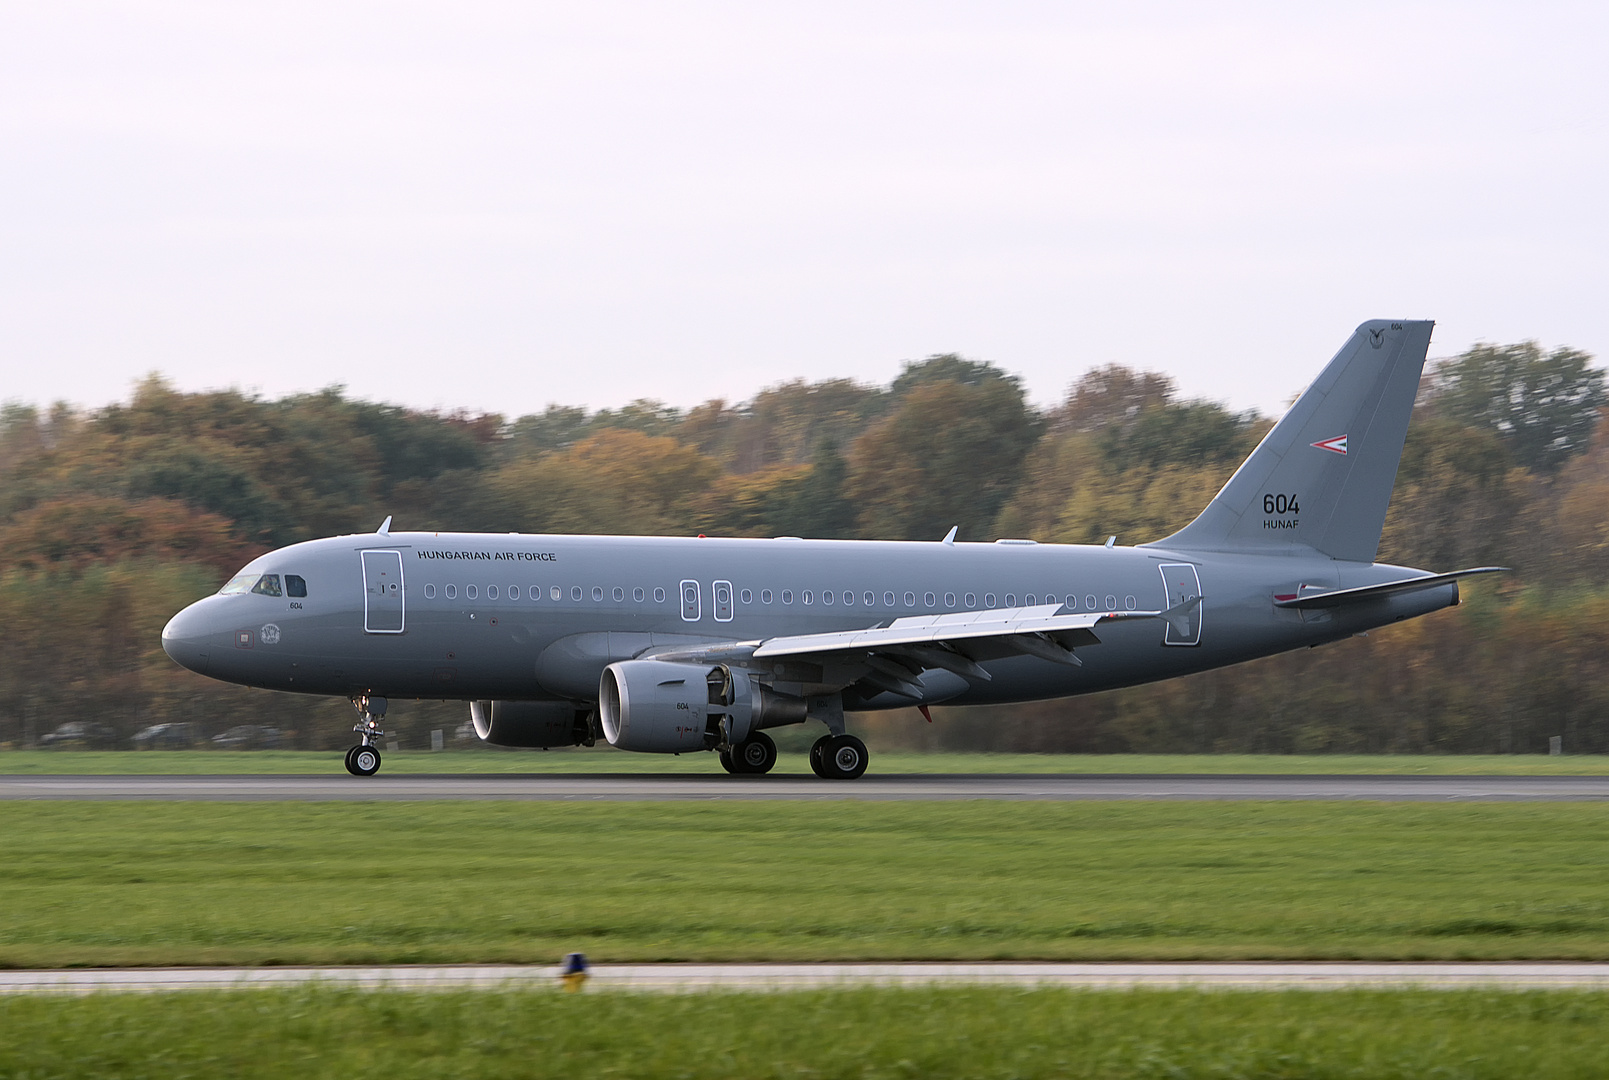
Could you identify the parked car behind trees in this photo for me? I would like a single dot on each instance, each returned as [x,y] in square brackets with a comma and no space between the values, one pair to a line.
[176,736]
[250,737]
[79,734]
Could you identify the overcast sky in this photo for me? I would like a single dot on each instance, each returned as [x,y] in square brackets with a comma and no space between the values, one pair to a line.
[496,206]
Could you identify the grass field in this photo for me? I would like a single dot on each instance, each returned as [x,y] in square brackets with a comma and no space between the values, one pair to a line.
[859,1033]
[601,760]
[188,883]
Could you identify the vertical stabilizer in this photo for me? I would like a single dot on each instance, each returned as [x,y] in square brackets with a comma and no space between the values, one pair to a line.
[1323,476]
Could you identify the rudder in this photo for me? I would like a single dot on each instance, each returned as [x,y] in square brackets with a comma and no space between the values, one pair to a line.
[1323,476]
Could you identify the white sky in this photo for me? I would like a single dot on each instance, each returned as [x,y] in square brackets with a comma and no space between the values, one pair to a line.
[497,206]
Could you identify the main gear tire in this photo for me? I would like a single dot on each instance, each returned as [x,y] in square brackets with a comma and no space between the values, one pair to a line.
[755,755]
[817,752]
[843,758]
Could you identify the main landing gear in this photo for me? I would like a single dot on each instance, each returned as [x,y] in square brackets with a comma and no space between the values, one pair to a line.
[364,758]
[753,756]
[838,757]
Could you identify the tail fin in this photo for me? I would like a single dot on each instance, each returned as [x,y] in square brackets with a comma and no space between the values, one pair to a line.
[1323,476]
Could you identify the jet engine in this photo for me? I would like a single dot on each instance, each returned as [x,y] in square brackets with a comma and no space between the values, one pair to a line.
[531,723]
[661,707]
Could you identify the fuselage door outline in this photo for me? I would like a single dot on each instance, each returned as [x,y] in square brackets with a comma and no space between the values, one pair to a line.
[722,593]
[1181,584]
[692,601]
[385,609]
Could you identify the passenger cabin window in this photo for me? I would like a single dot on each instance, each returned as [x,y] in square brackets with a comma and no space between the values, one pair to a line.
[491,592]
[849,597]
[597,594]
[765,596]
[972,599]
[747,596]
[988,599]
[1089,601]
[949,599]
[620,595]
[295,585]
[430,592]
[910,599]
[888,599]
[659,596]
[471,591]
[787,596]
[267,585]
[929,600]
[826,596]
[637,594]
[806,597]
[575,593]
[452,592]
[871,599]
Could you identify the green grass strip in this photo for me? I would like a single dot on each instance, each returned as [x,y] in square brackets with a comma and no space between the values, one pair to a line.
[792,761]
[208,883]
[976,1032]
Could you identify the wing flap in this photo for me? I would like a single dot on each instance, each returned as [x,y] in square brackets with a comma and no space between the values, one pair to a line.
[1002,624]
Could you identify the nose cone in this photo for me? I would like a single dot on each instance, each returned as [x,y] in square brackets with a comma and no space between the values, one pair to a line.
[186,640]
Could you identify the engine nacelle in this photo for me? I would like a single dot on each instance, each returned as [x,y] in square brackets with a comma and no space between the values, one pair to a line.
[660,707]
[530,723]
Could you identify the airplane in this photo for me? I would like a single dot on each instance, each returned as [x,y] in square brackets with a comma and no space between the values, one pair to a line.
[672,645]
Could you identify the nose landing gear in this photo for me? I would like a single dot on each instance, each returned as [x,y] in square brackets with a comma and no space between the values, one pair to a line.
[364,758]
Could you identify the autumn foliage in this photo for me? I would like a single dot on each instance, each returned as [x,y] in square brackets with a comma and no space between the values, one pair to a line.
[113,519]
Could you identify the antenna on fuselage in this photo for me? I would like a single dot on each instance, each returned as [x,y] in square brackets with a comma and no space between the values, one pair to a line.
[949,537]
[385,526]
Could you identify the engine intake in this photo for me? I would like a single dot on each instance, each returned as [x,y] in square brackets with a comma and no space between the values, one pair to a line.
[530,723]
[661,707]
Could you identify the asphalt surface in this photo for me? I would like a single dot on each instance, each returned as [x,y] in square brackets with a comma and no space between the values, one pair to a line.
[619,787]
[698,977]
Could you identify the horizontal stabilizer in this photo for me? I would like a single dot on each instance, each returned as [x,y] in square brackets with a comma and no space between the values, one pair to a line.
[1338,597]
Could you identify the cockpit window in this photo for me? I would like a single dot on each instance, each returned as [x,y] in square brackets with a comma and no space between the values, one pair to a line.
[267,585]
[295,585]
[238,584]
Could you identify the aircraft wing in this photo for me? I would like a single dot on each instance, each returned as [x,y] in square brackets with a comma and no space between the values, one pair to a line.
[890,657]
[1338,597]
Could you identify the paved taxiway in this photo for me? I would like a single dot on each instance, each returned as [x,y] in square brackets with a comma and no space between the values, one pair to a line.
[619,787]
[697,977]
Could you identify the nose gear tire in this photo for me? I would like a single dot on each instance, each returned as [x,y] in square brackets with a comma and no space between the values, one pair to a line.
[363,761]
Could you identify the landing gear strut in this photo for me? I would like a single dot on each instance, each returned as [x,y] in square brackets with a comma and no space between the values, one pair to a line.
[837,755]
[364,758]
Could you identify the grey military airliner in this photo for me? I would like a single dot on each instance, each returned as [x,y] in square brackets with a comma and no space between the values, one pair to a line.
[675,644]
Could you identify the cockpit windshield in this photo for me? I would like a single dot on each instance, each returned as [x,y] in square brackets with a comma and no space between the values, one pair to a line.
[261,584]
[238,584]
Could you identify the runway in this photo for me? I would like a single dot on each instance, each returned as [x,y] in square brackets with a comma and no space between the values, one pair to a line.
[622,787]
[684,978]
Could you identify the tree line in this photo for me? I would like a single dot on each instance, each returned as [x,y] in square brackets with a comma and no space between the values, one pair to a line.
[114,518]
